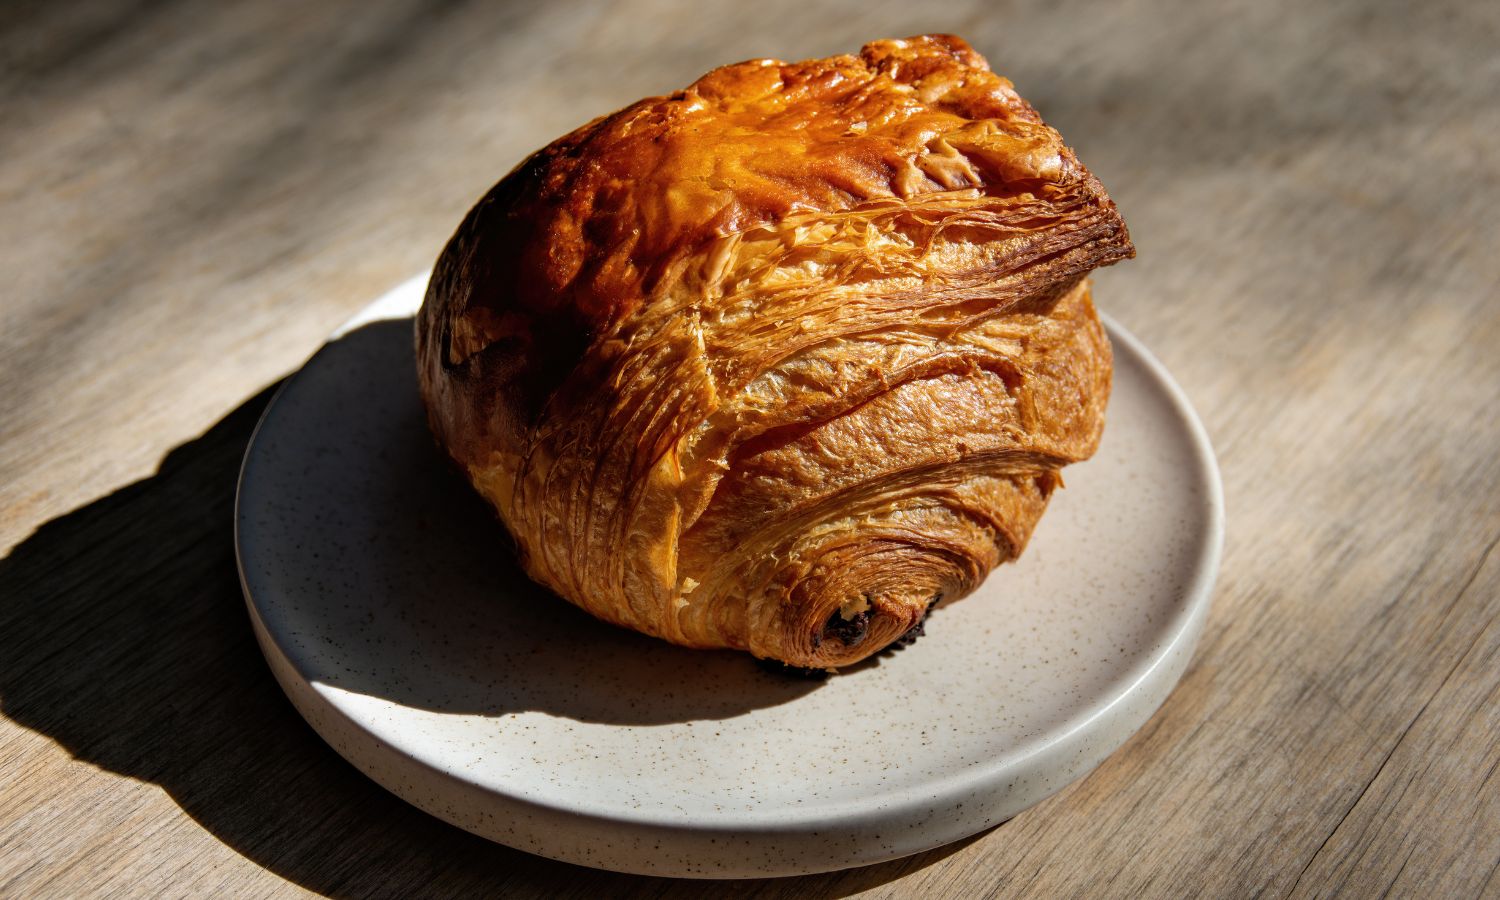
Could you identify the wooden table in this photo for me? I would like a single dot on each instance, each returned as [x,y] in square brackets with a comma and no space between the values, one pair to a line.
[194,194]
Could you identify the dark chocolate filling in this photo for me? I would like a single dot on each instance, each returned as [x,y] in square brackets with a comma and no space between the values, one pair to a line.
[851,631]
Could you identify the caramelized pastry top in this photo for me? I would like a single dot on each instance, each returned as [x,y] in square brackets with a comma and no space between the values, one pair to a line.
[589,227]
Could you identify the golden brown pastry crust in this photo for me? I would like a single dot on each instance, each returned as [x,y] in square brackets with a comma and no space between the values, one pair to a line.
[773,361]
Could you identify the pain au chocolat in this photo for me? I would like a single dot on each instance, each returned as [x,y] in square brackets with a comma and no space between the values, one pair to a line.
[780,360]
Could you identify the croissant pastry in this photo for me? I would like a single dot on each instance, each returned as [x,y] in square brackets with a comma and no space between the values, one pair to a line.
[778,361]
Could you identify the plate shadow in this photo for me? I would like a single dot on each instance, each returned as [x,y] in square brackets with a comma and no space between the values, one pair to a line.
[378,570]
[124,639]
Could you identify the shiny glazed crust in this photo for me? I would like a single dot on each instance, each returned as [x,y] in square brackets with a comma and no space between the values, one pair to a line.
[774,362]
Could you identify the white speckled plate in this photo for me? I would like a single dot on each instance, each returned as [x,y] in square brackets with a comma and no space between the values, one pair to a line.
[391,612]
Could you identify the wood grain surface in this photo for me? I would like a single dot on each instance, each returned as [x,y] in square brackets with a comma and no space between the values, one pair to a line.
[195,194]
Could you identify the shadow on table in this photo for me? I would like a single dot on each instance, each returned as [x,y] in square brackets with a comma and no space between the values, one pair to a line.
[124,637]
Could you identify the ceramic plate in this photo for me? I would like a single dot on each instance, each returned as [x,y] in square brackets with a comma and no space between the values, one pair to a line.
[390,610]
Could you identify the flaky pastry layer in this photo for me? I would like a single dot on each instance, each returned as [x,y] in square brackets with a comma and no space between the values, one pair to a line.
[779,360]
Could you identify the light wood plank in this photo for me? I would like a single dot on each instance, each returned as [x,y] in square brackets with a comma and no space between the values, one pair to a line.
[195,194]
